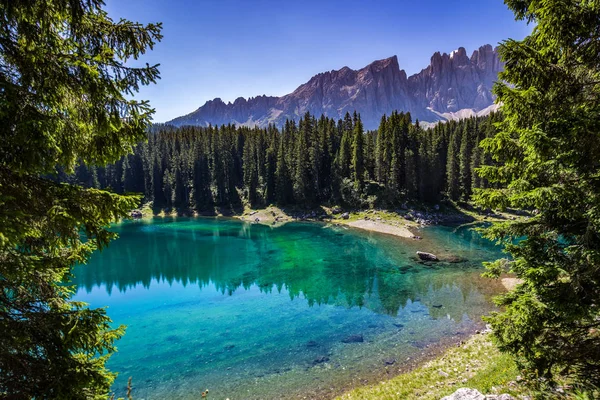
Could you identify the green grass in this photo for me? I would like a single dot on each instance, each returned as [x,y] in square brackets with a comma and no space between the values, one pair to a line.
[147,211]
[389,217]
[477,364]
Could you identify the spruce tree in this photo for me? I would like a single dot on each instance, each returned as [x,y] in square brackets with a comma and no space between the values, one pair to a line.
[65,95]
[546,156]
[358,162]
[201,176]
[465,162]
[382,152]
[344,159]
[476,161]
[303,183]
[453,167]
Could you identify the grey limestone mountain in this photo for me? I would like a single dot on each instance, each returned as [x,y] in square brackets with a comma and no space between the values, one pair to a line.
[452,86]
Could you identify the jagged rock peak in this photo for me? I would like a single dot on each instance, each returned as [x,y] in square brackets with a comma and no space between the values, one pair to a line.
[390,62]
[452,85]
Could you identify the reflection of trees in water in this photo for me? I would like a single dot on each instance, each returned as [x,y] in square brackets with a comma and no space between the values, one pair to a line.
[322,266]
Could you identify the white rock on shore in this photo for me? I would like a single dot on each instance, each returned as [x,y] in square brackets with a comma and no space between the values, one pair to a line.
[472,394]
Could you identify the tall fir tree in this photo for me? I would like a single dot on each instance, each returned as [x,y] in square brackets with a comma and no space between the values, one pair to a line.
[546,160]
[358,150]
[65,95]
[453,166]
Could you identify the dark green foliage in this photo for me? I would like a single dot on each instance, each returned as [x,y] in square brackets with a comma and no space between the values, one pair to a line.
[465,160]
[344,157]
[546,158]
[283,179]
[64,91]
[358,153]
[452,166]
[303,174]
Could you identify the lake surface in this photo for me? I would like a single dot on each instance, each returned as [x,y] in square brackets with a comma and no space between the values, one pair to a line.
[253,312]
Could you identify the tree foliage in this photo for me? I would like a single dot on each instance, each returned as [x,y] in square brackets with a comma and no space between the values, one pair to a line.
[549,145]
[65,82]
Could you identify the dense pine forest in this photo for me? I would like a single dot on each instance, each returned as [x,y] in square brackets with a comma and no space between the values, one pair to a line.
[316,161]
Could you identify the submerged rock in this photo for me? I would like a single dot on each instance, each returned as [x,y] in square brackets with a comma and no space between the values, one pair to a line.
[390,361]
[312,343]
[426,256]
[320,360]
[419,344]
[456,259]
[353,339]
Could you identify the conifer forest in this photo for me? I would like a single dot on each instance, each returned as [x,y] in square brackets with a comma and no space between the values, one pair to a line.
[309,162]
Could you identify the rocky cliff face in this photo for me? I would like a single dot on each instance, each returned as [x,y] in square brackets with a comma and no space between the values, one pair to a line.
[452,86]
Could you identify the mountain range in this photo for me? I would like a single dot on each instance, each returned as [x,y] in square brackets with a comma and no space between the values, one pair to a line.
[453,86]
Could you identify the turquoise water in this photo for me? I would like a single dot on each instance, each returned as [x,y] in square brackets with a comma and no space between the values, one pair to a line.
[253,312]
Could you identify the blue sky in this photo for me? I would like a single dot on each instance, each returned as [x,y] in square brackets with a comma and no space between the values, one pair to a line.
[228,49]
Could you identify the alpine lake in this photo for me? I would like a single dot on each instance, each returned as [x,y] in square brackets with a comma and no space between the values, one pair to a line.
[305,310]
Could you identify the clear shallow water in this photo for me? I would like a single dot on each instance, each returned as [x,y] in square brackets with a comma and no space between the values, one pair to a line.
[248,311]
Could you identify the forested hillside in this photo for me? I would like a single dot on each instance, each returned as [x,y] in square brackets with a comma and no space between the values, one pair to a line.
[314,161]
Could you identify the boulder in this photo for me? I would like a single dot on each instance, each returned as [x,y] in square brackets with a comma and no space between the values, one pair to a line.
[345,215]
[465,394]
[136,214]
[353,339]
[426,256]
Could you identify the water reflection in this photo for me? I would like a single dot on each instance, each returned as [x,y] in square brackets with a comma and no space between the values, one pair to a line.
[322,265]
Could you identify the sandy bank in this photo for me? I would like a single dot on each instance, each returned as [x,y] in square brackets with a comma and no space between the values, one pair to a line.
[381,227]
[511,283]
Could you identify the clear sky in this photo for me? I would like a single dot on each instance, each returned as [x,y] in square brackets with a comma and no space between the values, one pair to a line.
[233,48]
